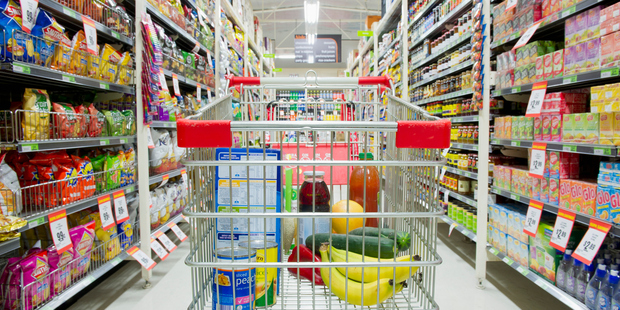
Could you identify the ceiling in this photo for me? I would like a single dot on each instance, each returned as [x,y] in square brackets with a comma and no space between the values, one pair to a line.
[282,19]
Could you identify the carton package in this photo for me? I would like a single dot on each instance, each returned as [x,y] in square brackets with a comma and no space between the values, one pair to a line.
[606,128]
[546,128]
[569,60]
[588,198]
[616,128]
[594,24]
[592,128]
[576,196]
[547,66]
[568,133]
[593,55]
[558,63]
[538,128]
[565,193]
[539,68]
[608,52]
[543,258]
[580,57]
[544,190]
[556,127]
[554,191]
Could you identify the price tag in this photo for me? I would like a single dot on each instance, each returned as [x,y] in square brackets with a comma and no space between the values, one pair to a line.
[592,241]
[142,258]
[281,113]
[446,196]
[91,35]
[196,48]
[184,178]
[29,11]
[443,172]
[185,218]
[537,160]
[164,180]
[105,212]
[532,218]
[120,206]
[198,92]
[177,231]
[158,249]
[209,94]
[452,227]
[149,139]
[162,80]
[534,105]
[175,85]
[60,231]
[166,241]
[526,36]
[562,229]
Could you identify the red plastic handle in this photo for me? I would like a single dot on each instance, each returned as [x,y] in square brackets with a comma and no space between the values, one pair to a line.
[192,133]
[245,80]
[423,134]
[375,80]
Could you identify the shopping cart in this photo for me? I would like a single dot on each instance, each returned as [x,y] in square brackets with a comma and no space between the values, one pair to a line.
[223,170]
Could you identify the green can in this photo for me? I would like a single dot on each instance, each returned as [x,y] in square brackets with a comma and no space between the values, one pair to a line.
[450,210]
[469,219]
[475,222]
[459,214]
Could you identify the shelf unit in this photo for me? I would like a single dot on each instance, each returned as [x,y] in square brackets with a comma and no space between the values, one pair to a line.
[469,174]
[581,148]
[460,228]
[465,199]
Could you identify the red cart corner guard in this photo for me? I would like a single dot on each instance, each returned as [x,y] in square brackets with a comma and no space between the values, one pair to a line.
[245,80]
[375,80]
[191,133]
[423,134]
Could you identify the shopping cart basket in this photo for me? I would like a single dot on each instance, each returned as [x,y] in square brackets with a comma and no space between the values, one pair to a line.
[237,193]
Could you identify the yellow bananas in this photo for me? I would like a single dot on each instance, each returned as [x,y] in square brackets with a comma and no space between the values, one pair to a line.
[351,291]
[371,274]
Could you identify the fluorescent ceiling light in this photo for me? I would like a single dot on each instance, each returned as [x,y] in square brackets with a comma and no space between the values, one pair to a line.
[311,12]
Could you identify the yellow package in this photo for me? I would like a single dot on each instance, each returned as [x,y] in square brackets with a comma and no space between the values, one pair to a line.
[36,124]
[109,63]
[9,235]
[62,54]
[606,128]
[79,61]
[611,93]
[92,67]
[616,128]
[10,223]
[109,238]
[125,73]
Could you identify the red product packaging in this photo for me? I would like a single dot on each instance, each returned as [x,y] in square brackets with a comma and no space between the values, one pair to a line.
[565,198]
[546,128]
[576,197]
[46,194]
[68,177]
[86,174]
[554,191]
[538,128]
[588,198]
[65,121]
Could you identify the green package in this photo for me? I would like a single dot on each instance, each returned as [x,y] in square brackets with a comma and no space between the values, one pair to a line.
[130,123]
[115,122]
[113,174]
[98,166]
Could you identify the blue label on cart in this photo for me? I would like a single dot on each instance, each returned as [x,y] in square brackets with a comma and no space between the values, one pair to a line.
[234,290]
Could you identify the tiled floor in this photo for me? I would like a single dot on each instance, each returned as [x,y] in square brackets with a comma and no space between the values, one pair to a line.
[455,286]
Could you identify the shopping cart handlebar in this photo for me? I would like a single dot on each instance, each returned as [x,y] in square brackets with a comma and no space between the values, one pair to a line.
[409,134]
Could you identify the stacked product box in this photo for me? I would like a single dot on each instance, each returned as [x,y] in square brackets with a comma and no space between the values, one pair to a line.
[548,126]
[534,62]
[583,127]
[549,62]
[605,99]
[578,196]
[507,222]
[582,42]
[608,192]
[506,64]
[609,24]
[514,127]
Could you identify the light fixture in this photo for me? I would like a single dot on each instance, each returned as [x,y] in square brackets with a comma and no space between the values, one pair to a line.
[311,15]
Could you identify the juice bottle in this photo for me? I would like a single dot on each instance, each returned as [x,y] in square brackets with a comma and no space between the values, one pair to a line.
[314,190]
[356,188]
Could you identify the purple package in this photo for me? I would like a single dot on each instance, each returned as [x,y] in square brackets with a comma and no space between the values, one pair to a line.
[36,289]
[60,271]
[569,29]
[581,28]
[82,238]
[569,60]
[580,57]
[593,55]
[594,23]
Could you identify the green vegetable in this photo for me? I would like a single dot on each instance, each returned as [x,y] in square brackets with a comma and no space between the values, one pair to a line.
[402,238]
[369,246]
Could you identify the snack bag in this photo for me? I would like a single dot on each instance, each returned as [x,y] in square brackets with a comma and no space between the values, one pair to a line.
[125,73]
[10,190]
[51,32]
[17,44]
[109,63]
[109,239]
[79,62]
[125,234]
[115,121]
[65,121]
[69,189]
[155,220]
[130,163]
[130,123]
[96,123]
[35,124]
[123,177]
[158,154]
[113,174]
[92,65]
[11,223]
[83,120]
[62,54]
[59,269]
[98,163]
[34,269]
[87,179]
[82,237]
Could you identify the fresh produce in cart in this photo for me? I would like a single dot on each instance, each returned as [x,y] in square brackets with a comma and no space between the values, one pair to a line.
[402,237]
[305,255]
[382,247]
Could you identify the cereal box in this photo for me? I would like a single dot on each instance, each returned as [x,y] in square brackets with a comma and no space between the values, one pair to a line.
[567,127]
[516,127]
[544,190]
[510,249]
[524,252]
[569,60]
[547,66]
[606,128]
[554,164]
[507,127]
[558,63]
[579,127]
[527,132]
[588,198]
[565,193]
[576,195]
[581,28]
[554,191]
[535,188]
[593,50]
[569,30]
[502,242]
[503,218]
[556,127]
[546,127]
[592,128]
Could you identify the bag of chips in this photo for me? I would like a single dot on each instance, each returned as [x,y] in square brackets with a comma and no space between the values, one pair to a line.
[108,238]
[115,122]
[99,163]
[10,191]
[154,211]
[36,124]
[130,164]
[83,120]
[113,174]
[96,123]
[62,54]
[110,59]
[31,275]
[125,234]
[14,42]
[60,270]
[50,33]
[87,179]
[68,185]
[11,223]
[130,123]
[65,121]
[82,237]
[125,72]
[93,68]
[79,62]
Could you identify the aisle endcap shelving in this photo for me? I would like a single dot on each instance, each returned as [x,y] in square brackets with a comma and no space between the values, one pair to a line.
[230,12]
[64,79]
[463,66]
[51,145]
[423,12]
[589,149]
[540,281]
[459,197]
[393,11]
[469,174]
[580,217]
[462,229]
[389,47]
[176,29]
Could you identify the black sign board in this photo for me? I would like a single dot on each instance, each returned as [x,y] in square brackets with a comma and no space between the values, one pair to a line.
[326,48]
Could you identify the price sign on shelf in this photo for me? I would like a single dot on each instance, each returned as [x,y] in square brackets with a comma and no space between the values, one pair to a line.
[177,231]
[562,229]
[526,36]
[105,212]
[162,80]
[166,241]
[91,35]
[164,180]
[198,92]
[532,218]
[537,160]
[120,206]
[184,178]
[175,84]
[534,105]
[60,231]
[149,139]
[196,48]
[29,11]
[158,249]
[142,258]
[591,241]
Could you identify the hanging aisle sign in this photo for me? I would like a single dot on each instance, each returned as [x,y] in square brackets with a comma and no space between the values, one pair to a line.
[591,241]
[562,229]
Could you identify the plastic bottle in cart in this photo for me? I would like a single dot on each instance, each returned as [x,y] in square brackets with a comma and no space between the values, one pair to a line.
[565,264]
[606,291]
[356,187]
[594,285]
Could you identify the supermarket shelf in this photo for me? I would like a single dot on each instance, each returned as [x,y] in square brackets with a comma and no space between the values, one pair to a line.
[386,21]
[163,124]
[390,47]
[580,217]
[466,232]
[398,84]
[35,146]
[396,62]
[439,26]
[253,46]
[232,46]
[29,72]
[230,12]
[463,119]
[540,281]
[41,218]
[549,22]
[367,46]
[581,80]
[164,227]
[471,175]
[464,146]
[66,14]
[9,245]
[590,149]
[185,37]
[458,197]
[158,178]
[422,12]
[461,67]
[460,93]
[185,81]
[77,287]
[235,72]
[434,56]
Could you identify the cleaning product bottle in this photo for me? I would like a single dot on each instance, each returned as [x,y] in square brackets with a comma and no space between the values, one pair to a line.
[594,285]
[565,265]
[606,291]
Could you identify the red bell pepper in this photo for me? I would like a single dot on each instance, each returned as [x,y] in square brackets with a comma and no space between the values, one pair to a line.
[306,255]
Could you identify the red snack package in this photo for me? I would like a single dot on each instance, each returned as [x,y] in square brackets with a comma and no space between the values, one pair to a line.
[82,117]
[46,193]
[68,177]
[65,121]
[96,122]
[87,176]
[45,158]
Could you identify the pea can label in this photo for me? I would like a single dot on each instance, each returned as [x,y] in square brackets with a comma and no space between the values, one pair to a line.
[266,278]
[234,289]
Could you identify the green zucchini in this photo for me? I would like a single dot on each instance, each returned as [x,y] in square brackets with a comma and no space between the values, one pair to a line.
[402,237]
[367,245]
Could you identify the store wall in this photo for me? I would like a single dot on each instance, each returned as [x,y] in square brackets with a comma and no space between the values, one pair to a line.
[301,72]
